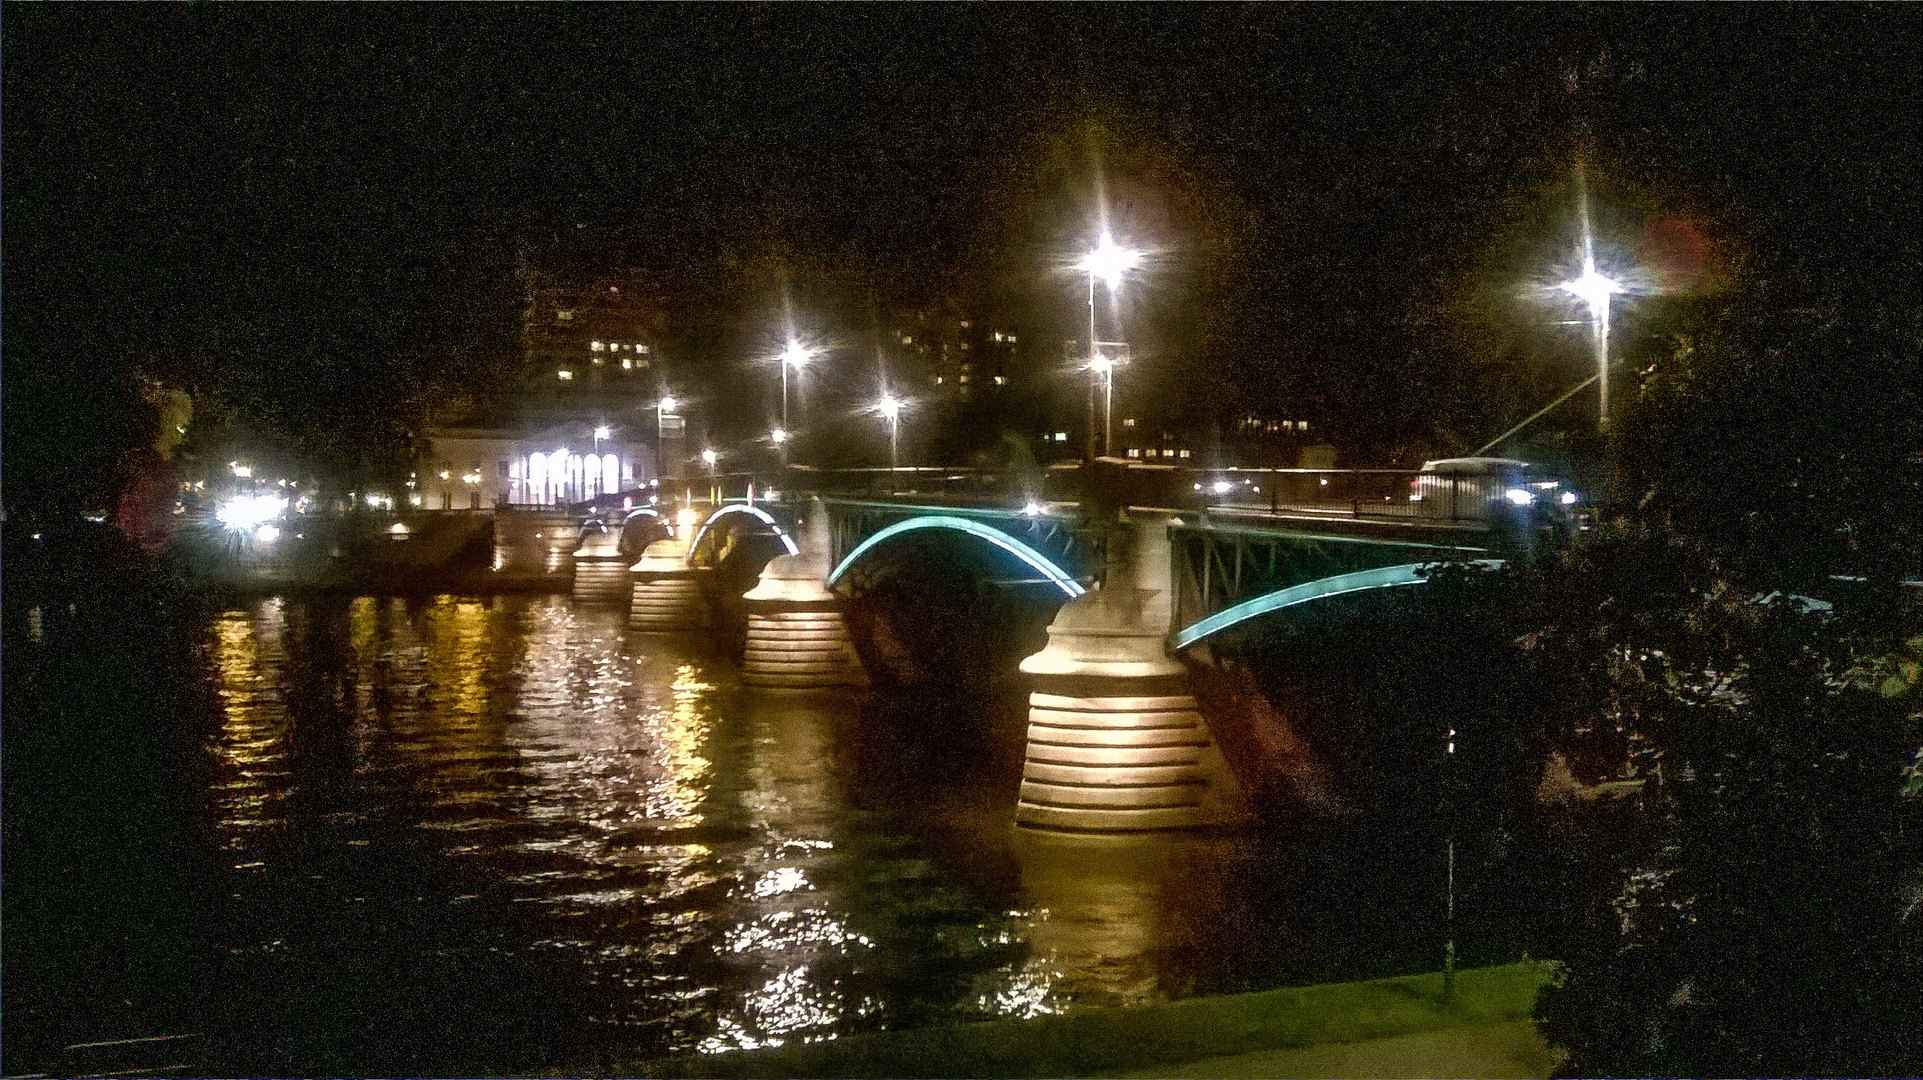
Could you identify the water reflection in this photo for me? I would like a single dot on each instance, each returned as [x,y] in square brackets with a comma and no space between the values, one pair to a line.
[710,867]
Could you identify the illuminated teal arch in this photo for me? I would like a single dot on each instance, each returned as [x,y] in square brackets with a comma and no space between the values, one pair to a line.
[741,508]
[1382,577]
[1056,576]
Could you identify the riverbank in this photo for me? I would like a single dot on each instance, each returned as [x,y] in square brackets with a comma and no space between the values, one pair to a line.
[1382,1027]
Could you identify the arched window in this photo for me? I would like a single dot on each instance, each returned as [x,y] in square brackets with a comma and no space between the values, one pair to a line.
[610,473]
[537,478]
[592,473]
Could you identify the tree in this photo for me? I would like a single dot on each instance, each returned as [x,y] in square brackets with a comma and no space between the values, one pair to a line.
[1767,921]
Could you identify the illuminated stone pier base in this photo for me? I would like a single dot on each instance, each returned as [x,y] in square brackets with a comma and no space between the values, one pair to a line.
[796,636]
[600,570]
[667,591]
[1115,741]
[533,542]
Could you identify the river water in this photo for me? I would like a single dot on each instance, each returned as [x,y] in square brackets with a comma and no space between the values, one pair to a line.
[461,834]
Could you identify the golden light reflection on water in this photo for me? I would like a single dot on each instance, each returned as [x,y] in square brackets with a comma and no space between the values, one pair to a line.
[251,779]
[692,849]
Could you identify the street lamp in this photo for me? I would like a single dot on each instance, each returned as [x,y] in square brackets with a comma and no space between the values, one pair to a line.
[1595,290]
[711,457]
[794,356]
[1109,262]
[890,407]
[664,412]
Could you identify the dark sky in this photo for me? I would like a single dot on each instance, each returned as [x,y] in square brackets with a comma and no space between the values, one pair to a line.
[291,180]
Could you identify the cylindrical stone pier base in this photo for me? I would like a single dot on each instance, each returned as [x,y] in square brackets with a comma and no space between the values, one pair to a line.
[667,591]
[1115,741]
[796,637]
[600,570]
[1114,759]
[795,646]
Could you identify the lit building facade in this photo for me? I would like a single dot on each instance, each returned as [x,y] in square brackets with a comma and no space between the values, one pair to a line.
[582,424]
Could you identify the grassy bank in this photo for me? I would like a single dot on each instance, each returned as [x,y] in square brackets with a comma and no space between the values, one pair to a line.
[1116,1039]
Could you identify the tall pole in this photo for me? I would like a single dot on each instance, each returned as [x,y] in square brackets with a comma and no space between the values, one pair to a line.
[1091,367]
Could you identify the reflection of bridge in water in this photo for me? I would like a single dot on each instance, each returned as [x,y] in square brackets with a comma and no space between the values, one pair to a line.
[1143,562]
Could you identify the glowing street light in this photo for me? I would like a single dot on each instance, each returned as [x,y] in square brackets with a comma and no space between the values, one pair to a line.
[663,412]
[1109,262]
[1595,290]
[796,356]
[890,407]
[711,457]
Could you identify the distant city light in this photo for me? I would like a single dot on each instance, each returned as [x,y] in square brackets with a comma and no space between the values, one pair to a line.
[246,513]
[710,456]
[668,404]
[778,436]
[602,432]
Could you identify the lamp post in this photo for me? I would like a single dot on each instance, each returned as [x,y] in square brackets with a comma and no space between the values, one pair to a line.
[1107,261]
[1105,367]
[890,407]
[1595,290]
[664,412]
[712,457]
[794,356]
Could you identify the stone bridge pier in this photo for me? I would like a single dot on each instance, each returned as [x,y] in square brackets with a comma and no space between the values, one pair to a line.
[796,637]
[1115,739]
[666,590]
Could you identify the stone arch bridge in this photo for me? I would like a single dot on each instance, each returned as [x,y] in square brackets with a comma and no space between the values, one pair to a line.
[1115,740]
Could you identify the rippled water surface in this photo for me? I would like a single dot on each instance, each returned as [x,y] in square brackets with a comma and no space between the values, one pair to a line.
[520,805]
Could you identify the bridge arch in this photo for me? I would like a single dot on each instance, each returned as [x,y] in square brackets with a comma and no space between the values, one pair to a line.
[1047,567]
[1382,577]
[766,518]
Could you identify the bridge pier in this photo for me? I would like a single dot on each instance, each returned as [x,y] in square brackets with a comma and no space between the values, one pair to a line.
[1115,739]
[533,543]
[600,570]
[797,638]
[667,591]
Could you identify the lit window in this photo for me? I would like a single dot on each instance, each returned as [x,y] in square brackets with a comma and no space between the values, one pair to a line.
[1133,452]
[565,375]
[443,474]
[1304,425]
[598,361]
[596,346]
[564,316]
[641,349]
[1001,380]
[1011,339]
[1128,421]
[963,377]
[1183,453]
[938,380]
[627,363]
[964,324]
[1061,436]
